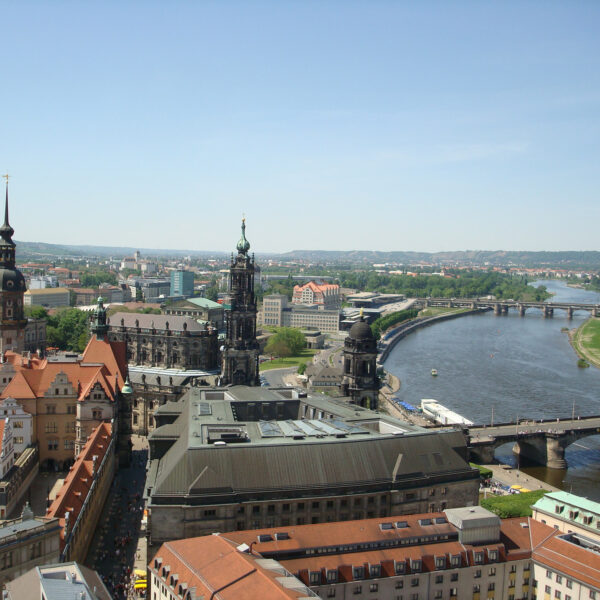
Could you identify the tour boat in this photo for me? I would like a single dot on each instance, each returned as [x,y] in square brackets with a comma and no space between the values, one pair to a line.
[434,372]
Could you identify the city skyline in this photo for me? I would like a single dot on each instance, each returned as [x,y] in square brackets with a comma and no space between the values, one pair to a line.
[332,126]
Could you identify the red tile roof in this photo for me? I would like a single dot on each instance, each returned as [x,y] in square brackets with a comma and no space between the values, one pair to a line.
[211,564]
[77,484]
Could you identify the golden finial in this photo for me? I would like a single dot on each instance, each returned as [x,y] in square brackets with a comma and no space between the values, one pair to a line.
[7,177]
[243,217]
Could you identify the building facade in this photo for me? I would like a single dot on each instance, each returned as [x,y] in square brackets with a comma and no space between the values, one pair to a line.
[241,349]
[12,288]
[200,309]
[326,295]
[48,297]
[278,312]
[166,341]
[182,283]
[25,543]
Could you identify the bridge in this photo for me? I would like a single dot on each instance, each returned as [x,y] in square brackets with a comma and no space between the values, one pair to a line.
[543,442]
[502,306]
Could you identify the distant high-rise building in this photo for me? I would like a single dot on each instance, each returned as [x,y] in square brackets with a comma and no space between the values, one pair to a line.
[182,283]
[12,288]
[241,350]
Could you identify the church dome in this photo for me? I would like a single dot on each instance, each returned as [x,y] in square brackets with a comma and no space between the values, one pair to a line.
[243,245]
[361,331]
[11,280]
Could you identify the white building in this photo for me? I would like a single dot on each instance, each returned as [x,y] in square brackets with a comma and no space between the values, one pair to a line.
[7,455]
[21,423]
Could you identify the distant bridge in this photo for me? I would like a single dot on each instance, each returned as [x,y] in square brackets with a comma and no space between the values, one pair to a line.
[543,441]
[502,306]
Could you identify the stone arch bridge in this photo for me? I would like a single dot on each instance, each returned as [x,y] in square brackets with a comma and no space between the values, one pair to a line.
[502,306]
[543,442]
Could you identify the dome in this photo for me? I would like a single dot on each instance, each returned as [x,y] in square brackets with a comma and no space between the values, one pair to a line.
[361,331]
[11,280]
[243,245]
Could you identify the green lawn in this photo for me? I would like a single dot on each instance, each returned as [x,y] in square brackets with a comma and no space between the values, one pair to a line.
[587,341]
[513,505]
[291,361]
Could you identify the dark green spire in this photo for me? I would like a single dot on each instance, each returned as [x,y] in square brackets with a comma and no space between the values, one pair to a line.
[98,324]
[6,231]
[243,245]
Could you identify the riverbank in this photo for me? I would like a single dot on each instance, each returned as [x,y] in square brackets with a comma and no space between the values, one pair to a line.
[394,336]
[585,340]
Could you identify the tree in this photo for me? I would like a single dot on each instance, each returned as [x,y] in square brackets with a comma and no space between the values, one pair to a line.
[36,312]
[68,330]
[288,340]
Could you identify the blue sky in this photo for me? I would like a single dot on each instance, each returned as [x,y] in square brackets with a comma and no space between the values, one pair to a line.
[332,125]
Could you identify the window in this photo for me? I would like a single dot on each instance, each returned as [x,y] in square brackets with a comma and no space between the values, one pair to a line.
[315,505]
[17,424]
[491,586]
[414,582]
[478,556]
[51,409]
[255,510]
[477,573]
[331,593]
[18,439]
[440,562]
[52,444]
[70,427]
[476,588]
[210,513]
[547,589]
[415,565]
[97,414]
[453,592]
[454,577]
[358,572]
[558,579]
[332,575]
[492,571]
[399,584]
[455,560]
[373,587]
[513,568]
[548,573]
[557,594]
[69,444]
[438,594]
[399,567]
[569,584]
[439,579]
[592,595]
[71,409]
[51,427]
[315,577]
[357,589]
[493,554]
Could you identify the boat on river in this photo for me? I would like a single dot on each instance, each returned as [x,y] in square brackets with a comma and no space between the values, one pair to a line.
[440,414]
[434,372]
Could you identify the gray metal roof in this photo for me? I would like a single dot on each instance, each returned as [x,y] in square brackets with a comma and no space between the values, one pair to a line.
[176,322]
[376,447]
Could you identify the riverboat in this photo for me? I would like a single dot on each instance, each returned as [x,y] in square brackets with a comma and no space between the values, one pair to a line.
[440,414]
[434,372]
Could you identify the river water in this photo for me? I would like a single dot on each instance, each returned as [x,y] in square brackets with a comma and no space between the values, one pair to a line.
[518,366]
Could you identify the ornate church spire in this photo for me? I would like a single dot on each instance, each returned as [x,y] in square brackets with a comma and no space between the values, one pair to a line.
[7,254]
[243,245]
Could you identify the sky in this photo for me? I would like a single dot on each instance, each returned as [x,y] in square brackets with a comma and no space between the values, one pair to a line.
[372,125]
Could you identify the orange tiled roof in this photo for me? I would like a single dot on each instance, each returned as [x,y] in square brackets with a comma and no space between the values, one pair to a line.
[72,494]
[2,423]
[212,563]
[103,362]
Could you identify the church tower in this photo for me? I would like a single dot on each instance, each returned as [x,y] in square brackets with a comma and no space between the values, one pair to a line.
[360,381]
[98,324]
[240,352]
[12,288]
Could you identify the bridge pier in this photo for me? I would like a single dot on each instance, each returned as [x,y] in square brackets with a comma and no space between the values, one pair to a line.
[482,454]
[497,309]
[555,453]
[505,309]
[596,312]
[521,310]
[547,311]
[570,312]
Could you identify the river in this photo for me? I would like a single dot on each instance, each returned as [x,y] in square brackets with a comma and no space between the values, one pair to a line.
[518,366]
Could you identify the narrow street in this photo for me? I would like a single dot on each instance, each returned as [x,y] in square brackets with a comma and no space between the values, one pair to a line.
[118,547]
